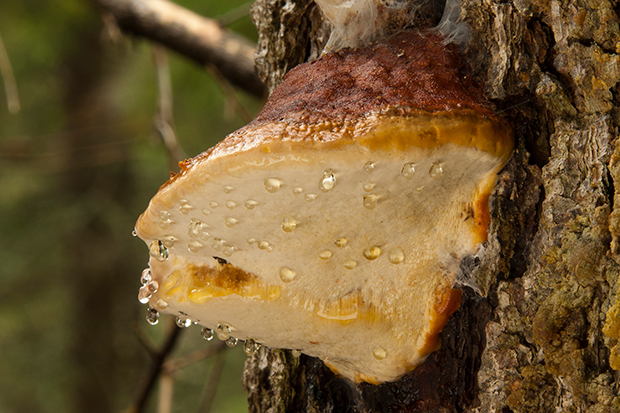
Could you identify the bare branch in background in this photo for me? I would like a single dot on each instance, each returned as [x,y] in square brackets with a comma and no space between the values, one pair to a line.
[166,393]
[231,100]
[198,38]
[164,120]
[10,86]
[211,387]
[148,384]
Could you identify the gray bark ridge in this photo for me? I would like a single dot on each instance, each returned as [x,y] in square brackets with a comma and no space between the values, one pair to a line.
[541,336]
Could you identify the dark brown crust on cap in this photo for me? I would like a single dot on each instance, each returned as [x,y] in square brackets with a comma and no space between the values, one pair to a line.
[410,70]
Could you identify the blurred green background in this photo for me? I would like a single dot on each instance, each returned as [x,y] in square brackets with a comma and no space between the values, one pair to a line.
[78,164]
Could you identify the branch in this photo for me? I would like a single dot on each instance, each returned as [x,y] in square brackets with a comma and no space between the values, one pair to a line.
[197,38]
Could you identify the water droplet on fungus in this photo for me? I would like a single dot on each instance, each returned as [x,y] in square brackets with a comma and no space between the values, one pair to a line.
[368,186]
[206,333]
[158,251]
[325,254]
[298,190]
[194,246]
[408,170]
[250,204]
[272,185]
[309,197]
[341,242]
[379,353]
[369,167]
[228,189]
[250,346]
[370,201]
[328,181]
[169,241]
[183,322]
[372,253]
[349,265]
[152,316]
[146,276]
[230,222]
[222,331]
[396,256]
[289,224]
[144,294]
[232,341]
[296,353]
[194,228]
[287,275]
[436,171]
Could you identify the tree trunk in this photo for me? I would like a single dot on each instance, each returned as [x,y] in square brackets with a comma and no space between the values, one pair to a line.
[542,334]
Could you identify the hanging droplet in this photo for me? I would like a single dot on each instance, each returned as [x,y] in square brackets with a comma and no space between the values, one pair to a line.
[228,250]
[134,233]
[328,181]
[213,204]
[341,242]
[223,331]
[298,190]
[250,346]
[206,333]
[436,171]
[230,222]
[228,189]
[287,275]
[396,256]
[368,186]
[184,206]
[289,224]
[194,246]
[349,265]
[296,353]
[183,322]
[158,251]
[325,254]
[152,316]
[408,170]
[250,204]
[379,353]
[272,185]
[169,241]
[146,276]
[152,286]
[370,201]
[372,253]
[230,204]
[144,294]
[232,341]
[369,167]
[309,197]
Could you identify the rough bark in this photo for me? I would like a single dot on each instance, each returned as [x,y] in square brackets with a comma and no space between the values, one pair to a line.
[540,335]
[198,38]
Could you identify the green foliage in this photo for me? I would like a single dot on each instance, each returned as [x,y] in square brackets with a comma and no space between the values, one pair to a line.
[78,164]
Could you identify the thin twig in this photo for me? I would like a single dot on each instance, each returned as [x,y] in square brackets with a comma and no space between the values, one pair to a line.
[10,85]
[235,14]
[229,94]
[166,393]
[148,384]
[184,361]
[143,339]
[211,387]
[164,122]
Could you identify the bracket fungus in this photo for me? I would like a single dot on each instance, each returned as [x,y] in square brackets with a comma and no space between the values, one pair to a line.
[334,223]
